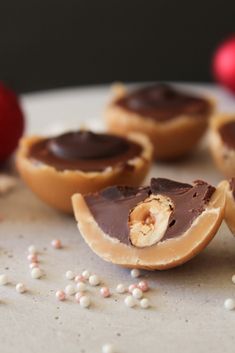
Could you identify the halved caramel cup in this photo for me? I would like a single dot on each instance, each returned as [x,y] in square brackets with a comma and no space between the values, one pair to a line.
[162,255]
[55,187]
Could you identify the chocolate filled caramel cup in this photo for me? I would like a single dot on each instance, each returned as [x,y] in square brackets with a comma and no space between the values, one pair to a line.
[222,143]
[174,120]
[57,167]
[155,227]
[229,187]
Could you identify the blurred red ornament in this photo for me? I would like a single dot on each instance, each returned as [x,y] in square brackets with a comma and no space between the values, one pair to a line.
[224,63]
[11,122]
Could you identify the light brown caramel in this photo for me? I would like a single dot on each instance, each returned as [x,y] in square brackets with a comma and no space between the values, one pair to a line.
[230,207]
[224,157]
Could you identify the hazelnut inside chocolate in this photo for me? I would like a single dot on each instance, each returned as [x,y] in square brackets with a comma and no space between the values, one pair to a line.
[166,209]
[84,150]
[162,102]
[227,134]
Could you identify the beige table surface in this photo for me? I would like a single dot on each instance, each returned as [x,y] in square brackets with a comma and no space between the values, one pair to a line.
[187,313]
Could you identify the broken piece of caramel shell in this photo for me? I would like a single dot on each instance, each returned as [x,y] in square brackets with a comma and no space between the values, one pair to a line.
[149,220]
[156,254]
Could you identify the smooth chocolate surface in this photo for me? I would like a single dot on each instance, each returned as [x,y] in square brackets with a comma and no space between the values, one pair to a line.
[227,133]
[112,206]
[162,102]
[189,202]
[84,150]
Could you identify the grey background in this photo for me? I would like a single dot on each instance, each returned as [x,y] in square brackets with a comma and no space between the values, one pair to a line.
[47,44]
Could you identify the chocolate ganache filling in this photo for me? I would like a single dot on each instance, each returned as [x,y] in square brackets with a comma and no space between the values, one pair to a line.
[162,102]
[227,133]
[84,150]
[189,201]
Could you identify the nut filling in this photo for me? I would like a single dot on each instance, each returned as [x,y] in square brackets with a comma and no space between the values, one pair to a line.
[148,221]
[142,217]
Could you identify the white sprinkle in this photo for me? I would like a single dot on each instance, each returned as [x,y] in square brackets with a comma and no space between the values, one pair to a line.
[3,280]
[78,296]
[60,295]
[130,301]
[143,285]
[33,265]
[32,258]
[36,273]
[120,288]
[69,275]
[229,304]
[81,287]
[79,278]
[32,250]
[132,287]
[85,301]
[144,303]
[137,293]
[105,292]
[233,279]
[20,288]
[94,280]
[108,348]
[85,274]
[135,273]
[70,289]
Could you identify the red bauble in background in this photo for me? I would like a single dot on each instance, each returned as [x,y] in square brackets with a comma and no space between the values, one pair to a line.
[11,122]
[224,63]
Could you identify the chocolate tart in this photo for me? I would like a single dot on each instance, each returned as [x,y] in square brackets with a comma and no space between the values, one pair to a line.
[230,204]
[222,143]
[173,120]
[57,167]
[156,227]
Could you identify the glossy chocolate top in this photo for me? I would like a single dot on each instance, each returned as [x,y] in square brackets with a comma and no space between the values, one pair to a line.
[227,133]
[189,201]
[118,201]
[84,150]
[162,102]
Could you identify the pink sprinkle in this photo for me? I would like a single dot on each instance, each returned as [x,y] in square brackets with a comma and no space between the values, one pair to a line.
[105,292]
[60,295]
[33,265]
[56,243]
[32,258]
[131,287]
[78,296]
[79,278]
[143,285]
